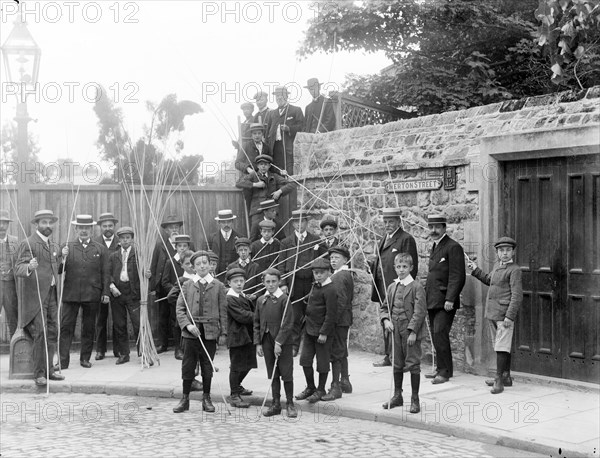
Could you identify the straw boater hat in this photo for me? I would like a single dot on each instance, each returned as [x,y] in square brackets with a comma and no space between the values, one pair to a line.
[505,241]
[257,126]
[236,272]
[182,238]
[84,220]
[41,214]
[125,230]
[436,219]
[4,216]
[107,217]
[266,204]
[391,212]
[299,214]
[312,82]
[171,219]
[225,215]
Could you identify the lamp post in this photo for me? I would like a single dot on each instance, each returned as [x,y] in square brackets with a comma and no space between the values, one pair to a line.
[21,57]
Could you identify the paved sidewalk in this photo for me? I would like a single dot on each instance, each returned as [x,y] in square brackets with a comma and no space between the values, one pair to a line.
[553,419]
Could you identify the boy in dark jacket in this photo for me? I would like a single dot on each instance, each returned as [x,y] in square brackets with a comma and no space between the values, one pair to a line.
[265,251]
[273,327]
[403,314]
[321,315]
[504,299]
[202,316]
[242,353]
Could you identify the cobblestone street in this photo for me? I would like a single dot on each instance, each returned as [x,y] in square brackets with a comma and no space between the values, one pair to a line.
[77,425]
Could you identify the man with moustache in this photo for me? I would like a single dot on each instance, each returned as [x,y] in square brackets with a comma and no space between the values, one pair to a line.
[8,286]
[395,241]
[38,258]
[86,285]
[107,223]
[445,281]
[222,242]
[261,98]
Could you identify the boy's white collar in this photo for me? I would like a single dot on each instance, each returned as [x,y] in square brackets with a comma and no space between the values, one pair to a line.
[405,281]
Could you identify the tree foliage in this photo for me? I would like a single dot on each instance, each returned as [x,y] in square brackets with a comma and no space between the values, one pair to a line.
[446,54]
[167,118]
[8,143]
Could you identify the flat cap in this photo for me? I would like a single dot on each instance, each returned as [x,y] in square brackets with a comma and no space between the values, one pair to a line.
[182,238]
[505,241]
[241,241]
[339,250]
[266,224]
[235,272]
[329,222]
[124,230]
[212,256]
[320,263]
[198,254]
[263,158]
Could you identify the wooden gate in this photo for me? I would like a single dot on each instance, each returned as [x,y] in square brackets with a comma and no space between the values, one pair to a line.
[552,207]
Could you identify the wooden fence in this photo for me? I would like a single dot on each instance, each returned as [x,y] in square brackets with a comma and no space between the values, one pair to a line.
[196,205]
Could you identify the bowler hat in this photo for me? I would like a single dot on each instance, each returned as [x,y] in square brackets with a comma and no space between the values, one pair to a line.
[266,224]
[328,222]
[391,212]
[172,219]
[124,230]
[107,217]
[263,158]
[505,241]
[240,241]
[225,215]
[84,220]
[41,214]
[312,82]
[236,272]
[247,105]
[257,126]
[4,216]
[266,204]
[320,263]
[197,254]
[340,250]
[436,219]
[182,238]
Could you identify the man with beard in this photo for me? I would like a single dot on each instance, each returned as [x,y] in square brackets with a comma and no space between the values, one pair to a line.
[37,265]
[107,222]
[445,281]
[86,285]
[8,286]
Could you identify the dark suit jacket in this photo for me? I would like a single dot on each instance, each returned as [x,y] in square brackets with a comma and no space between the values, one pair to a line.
[270,315]
[402,242]
[306,254]
[160,256]
[261,116]
[274,183]
[312,114]
[48,259]
[446,276]
[216,243]
[87,275]
[414,303]
[214,316]
[114,245]
[115,262]
[240,319]
[255,231]
[292,117]
[246,157]
[8,257]
[324,247]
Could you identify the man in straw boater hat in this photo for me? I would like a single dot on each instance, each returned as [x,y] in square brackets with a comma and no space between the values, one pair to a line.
[261,98]
[298,250]
[283,123]
[445,280]
[222,242]
[319,115]
[37,264]
[8,286]
[107,223]
[160,267]
[263,185]
[86,285]
[268,210]
[396,240]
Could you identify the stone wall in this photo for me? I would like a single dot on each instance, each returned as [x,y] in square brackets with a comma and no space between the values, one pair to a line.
[344,174]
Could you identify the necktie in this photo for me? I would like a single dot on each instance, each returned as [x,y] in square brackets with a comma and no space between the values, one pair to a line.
[226,236]
[433,247]
[124,277]
[301,238]
[53,281]
[317,284]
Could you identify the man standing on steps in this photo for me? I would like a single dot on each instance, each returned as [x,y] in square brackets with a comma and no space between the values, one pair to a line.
[445,281]
[396,241]
[107,222]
